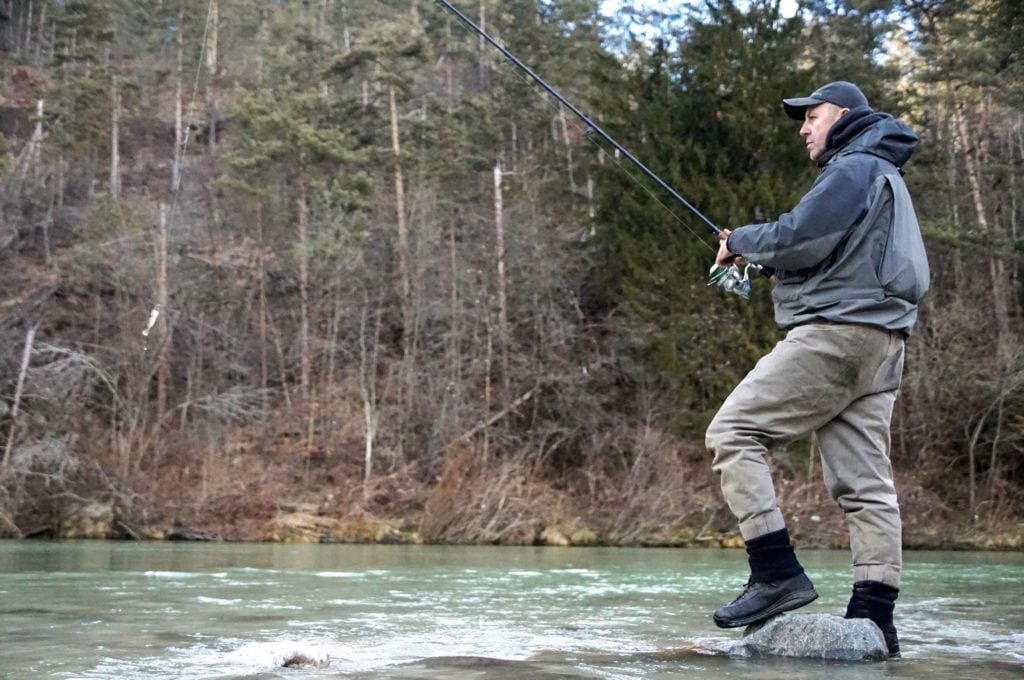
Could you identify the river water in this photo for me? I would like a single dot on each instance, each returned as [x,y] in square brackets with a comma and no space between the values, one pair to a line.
[171,610]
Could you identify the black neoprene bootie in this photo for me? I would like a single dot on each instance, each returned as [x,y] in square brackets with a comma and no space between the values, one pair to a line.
[876,601]
[777,583]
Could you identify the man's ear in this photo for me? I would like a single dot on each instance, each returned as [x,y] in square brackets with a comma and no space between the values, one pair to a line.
[842,112]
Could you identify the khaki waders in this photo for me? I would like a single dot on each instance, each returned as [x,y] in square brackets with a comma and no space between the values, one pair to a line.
[840,383]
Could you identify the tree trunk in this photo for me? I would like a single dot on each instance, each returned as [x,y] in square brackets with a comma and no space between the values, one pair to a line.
[368,385]
[211,68]
[953,193]
[488,390]
[38,60]
[303,224]
[26,357]
[482,52]
[998,281]
[60,184]
[115,141]
[176,164]
[262,34]
[346,32]
[449,64]
[499,257]
[163,361]
[213,119]
[455,344]
[47,226]
[515,146]
[568,147]
[403,231]
[26,20]
[404,271]
[262,314]
[27,163]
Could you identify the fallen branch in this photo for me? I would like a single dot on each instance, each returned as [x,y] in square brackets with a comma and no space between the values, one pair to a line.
[468,434]
[27,305]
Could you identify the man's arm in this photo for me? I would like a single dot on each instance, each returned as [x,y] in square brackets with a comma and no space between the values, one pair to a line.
[807,235]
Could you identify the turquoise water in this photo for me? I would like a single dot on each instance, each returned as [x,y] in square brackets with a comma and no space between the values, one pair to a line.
[167,610]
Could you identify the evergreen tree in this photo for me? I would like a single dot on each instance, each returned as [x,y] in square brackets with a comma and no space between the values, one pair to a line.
[708,119]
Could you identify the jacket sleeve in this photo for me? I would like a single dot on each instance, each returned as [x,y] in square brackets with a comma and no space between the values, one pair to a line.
[814,228]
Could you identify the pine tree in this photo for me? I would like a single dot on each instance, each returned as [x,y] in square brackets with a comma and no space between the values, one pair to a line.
[708,119]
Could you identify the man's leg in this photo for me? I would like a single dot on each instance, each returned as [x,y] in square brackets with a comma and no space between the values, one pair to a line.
[858,474]
[803,383]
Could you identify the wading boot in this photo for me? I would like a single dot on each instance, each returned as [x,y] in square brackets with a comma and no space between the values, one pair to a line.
[875,600]
[777,583]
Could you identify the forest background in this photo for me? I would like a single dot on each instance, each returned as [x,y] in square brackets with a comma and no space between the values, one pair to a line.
[401,295]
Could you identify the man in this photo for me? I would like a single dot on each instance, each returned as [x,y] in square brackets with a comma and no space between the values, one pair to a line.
[850,269]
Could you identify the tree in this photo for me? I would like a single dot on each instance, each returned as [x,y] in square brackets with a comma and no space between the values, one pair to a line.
[707,119]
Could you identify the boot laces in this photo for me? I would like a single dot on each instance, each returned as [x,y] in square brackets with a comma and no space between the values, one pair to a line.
[743,594]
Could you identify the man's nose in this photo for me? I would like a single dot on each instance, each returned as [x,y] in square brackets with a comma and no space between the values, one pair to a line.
[805,130]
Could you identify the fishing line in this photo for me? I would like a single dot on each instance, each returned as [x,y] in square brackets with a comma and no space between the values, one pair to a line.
[466,21]
[176,181]
[728,276]
[617,161]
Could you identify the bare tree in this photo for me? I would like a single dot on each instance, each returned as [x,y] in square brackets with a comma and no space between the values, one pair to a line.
[501,279]
[115,140]
[212,66]
[26,357]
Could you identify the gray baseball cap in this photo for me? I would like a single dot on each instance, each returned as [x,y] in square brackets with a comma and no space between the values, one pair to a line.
[840,93]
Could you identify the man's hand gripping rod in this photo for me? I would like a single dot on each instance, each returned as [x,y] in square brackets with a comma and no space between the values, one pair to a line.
[728,278]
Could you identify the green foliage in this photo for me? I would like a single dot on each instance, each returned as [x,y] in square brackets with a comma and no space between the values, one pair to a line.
[608,312]
[847,41]
[84,30]
[79,115]
[301,130]
[709,120]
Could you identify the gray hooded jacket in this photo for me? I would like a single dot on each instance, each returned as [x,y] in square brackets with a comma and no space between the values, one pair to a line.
[851,250]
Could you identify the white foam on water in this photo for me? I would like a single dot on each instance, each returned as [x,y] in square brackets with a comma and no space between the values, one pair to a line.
[172,574]
[274,605]
[341,574]
[177,575]
[217,600]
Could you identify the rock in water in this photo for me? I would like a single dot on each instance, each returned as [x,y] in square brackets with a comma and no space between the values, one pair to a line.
[814,636]
[298,660]
[281,654]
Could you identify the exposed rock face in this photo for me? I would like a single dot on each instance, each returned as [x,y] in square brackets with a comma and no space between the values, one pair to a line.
[92,520]
[814,636]
[568,534]
[300,527]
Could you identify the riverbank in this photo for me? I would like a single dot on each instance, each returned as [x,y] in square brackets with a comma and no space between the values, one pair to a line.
[668,497]
[303,525]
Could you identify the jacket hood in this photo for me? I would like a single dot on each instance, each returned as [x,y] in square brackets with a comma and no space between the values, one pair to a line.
[871,132]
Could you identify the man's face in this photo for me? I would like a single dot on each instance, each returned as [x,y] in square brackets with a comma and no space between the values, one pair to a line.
[818,120]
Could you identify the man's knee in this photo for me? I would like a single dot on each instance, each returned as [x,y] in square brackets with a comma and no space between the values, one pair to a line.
[713,435]
[721,440]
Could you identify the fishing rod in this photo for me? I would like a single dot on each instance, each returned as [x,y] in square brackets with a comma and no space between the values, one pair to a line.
[729,278]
